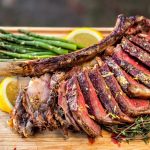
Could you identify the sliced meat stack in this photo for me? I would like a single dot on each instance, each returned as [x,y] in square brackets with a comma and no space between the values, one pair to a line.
[112,88]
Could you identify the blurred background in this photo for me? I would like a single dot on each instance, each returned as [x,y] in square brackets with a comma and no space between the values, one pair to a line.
[67,13]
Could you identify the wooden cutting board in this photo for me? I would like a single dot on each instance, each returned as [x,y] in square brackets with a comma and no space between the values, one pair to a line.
[9,140]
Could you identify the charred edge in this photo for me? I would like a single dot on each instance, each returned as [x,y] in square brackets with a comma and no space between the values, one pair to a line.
[134,72]
[142,43]
[141,25]
[116,70]
[143,36]
[118,52]
[136,52]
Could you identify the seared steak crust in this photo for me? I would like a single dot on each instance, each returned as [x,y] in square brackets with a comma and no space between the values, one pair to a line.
[135,51]
[145,45]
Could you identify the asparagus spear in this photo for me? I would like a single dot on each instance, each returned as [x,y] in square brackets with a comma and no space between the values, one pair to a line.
[19,49]
[49,38]
[13,48]
[24,56]
[36,44]
[50,42]
[40,53]
[22,47]
[2,56]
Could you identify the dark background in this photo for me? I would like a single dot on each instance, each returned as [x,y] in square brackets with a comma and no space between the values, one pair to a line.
[68,12]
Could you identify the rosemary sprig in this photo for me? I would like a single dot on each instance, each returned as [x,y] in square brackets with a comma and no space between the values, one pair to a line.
[140,129]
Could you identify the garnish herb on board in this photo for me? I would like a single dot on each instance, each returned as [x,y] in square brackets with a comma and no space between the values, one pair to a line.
[139,130]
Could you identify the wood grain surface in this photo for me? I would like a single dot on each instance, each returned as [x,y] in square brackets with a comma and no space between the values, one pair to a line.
[9,140]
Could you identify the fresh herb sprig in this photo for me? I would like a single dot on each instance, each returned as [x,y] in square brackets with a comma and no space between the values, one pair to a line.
[139,130]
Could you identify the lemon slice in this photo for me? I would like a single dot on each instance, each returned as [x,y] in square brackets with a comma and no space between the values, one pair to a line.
[8,93]
[85,36]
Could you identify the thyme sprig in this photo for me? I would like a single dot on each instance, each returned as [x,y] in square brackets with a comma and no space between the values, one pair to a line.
[139,130]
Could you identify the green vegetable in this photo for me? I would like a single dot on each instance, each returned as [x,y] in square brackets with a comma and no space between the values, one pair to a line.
[24,56]
[40,53]
[36,44]
[25,47]
[49,38]
[50,42]
[19,49]
[13,48]
[3,56]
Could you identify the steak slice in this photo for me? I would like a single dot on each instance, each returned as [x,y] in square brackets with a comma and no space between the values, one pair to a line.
[78,108]
[21,120]
[106,97]
[62,104]
[144,44]
[131,87]
[136,89]
[135,51]
[133,71]
[118,52]
[145,37]
[94,105]
[52,115]
[143,106]
[36,96]
[133,107]
[141,26]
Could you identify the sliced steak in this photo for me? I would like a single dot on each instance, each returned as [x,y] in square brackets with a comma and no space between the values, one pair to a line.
[133,71]
[52,116]
[36,96]
[130,86]
[142,106]
[144,44]
[132,107]
[21,120]
[78,108]
[136,89]
[145,37]
[136,51]
[106,97]
[94,105]
[62,104]
[118,52]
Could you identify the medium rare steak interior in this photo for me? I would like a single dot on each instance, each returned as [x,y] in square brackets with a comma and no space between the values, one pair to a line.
[105,84]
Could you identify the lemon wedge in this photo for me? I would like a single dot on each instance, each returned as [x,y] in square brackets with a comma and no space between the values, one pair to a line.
[85,36]
[8,93]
